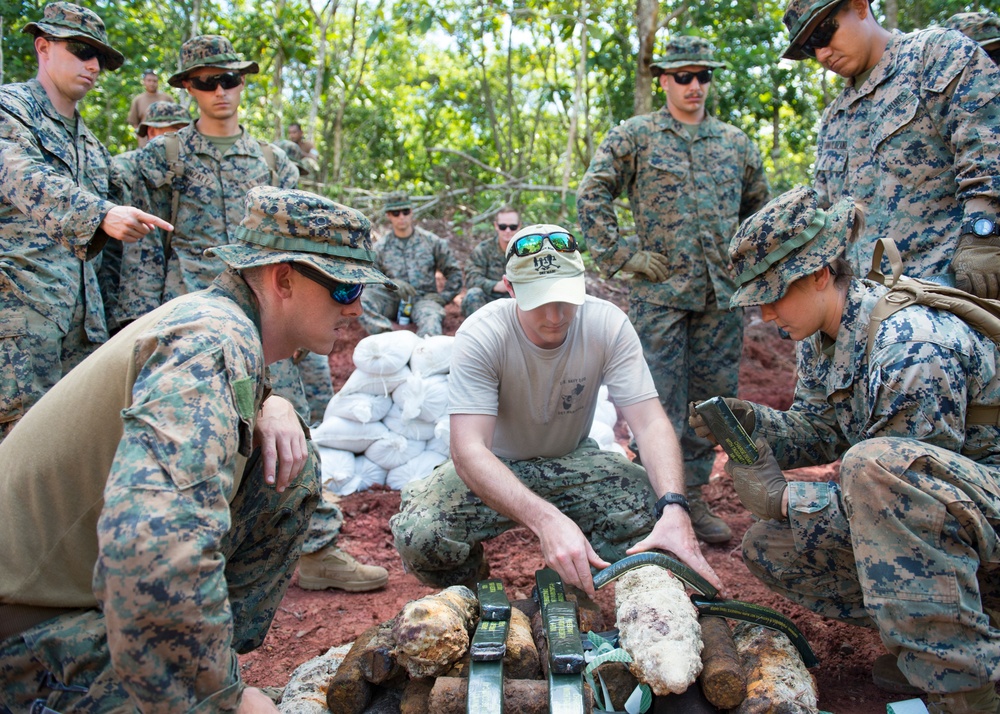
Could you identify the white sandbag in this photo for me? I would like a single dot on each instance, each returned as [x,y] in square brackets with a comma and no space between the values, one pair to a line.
[369,473]
[347,434]
[603,434]
[338,470]
[615,446]
[442,429]
[410,428]
[394,450]
[432,355]
[385,353]
[423,398]
[381,384]
[414,469]
[439,445]
[358,406]
[606,413]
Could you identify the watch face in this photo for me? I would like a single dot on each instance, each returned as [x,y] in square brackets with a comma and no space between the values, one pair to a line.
[983,227]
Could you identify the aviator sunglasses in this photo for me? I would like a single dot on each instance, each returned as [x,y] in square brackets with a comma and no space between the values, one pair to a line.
[81,50]
[704,76]
[228,80]
[399,212]
[532,243]
[343,293]
[822,36]
[508,226]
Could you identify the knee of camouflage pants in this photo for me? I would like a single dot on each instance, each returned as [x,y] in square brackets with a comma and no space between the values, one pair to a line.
[380,306]
[427,316]
[474,299]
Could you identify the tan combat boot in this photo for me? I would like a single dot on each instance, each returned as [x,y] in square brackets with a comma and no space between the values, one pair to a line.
[333,568]
[707,526]
[984,699]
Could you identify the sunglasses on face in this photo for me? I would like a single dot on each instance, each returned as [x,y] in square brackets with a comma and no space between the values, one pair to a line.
[822,36]
[533,243]
[704,76]
[81,50]
[399,212]
[343,293]
[227,80]
[508,226]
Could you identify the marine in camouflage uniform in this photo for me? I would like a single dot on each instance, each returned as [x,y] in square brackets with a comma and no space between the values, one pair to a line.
[522,396]
[906,542]
[143,554]
[484,267]
[983,27]
[690,179]
[412,260]
[57,211]
[914,137]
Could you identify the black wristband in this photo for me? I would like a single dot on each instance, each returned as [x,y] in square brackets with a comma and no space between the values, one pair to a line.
[668,499]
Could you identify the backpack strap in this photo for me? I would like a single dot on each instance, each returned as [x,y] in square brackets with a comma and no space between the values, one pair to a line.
[175,171]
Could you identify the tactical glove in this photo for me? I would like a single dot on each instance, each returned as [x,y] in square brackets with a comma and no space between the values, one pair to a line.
[404,291]
[742,410]
[977,265]
[652,266]
[761,485]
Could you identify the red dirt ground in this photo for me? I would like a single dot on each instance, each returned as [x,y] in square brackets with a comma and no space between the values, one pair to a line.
[308,623]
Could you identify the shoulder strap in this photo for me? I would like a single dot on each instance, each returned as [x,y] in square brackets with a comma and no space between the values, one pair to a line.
[175,170]
[270,160]
[981,314]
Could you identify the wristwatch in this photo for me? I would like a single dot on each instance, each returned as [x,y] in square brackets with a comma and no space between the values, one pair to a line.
[668,499]
[984,227]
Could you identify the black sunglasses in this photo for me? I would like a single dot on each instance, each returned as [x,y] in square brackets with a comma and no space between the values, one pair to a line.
[343,293]
[508,226]
[81,50]
[822,36]
[228,80]
[399,212]
[533,243]
[704,76]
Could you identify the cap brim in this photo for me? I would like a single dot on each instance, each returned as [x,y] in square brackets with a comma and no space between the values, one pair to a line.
[534,294]
[177,79]
[113,59]
[344,270]
[794,51]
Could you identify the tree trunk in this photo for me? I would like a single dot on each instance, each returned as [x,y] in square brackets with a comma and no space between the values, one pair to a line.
[323,18]
[279,66]
[645,23]
[891,8]
[1,49]
[574,119]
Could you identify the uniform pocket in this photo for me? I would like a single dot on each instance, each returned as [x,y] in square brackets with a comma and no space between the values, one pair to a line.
[15,367]
[906,142]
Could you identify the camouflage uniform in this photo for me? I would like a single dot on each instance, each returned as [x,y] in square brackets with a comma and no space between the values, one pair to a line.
[161,518]
[907,541]
[918,144]
[415,260]
[483,270]
[54,194]
[688,196]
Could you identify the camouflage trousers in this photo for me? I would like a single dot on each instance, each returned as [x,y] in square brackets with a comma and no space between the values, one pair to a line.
[907,544]
[441,524]
[65,663]
[692,356]
[475,298]
[382,307]
[314,371]
[34,355]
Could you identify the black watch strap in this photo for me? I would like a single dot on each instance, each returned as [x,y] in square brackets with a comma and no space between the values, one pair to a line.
[982,227]
[668,499]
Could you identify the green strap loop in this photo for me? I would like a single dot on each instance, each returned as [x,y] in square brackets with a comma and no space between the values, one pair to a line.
[817,224]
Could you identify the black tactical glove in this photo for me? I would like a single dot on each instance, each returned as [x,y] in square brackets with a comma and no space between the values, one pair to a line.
[761,485]
[977,265]
[742,410]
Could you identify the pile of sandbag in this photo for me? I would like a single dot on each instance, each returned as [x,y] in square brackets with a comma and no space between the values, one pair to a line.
[389,424]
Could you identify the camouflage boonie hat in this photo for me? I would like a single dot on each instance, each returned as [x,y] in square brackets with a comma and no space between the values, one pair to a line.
[801,18]
[983,27]
[282,225]
[787,239]
[210,51]
[295,155]
[162,115]
[397,200]
[684,50]
[67,21]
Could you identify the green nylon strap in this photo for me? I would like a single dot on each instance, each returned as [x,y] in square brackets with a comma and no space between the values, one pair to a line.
[302,245]
[817,224]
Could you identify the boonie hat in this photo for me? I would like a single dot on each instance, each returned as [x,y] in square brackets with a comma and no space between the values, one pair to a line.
[801,18]
[162,115]
[684,50]
[67,21]
[295,155]
[398,200]
[210,51]
[283,225]
[546,276]
[787,239]
[983,27]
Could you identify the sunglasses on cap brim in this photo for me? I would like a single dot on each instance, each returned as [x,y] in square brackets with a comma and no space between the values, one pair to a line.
[534,242]
[343,293]
[81,50]
[227,80]
[704,76]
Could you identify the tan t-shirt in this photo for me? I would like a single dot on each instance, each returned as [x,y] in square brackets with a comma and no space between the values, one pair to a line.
[545,400]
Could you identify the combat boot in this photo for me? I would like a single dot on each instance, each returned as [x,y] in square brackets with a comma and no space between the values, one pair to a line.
[707,526]
[333,568]
[887,676]
[984,699]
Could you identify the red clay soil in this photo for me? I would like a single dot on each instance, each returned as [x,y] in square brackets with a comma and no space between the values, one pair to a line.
[309,623]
